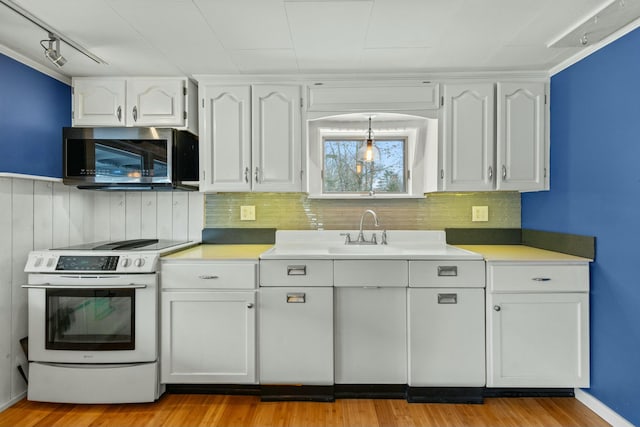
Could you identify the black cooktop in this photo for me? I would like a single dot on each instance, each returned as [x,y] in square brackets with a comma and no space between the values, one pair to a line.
[126,245]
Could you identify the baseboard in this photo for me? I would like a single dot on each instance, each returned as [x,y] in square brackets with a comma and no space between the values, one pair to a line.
[606,413]
[13,401]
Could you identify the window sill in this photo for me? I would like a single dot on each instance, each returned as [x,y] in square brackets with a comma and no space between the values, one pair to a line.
[365,196]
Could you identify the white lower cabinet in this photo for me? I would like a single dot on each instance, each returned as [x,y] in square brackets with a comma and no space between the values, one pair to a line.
[208,331]
[296,335]
[538,325]
[446,337]
[370,335]
[538,340]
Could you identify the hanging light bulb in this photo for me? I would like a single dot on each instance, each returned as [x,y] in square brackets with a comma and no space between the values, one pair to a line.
[368,152]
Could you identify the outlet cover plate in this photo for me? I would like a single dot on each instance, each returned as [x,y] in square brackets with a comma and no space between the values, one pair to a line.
[479,213]
[247,213]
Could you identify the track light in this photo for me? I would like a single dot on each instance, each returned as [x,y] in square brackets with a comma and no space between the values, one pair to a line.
[51,53]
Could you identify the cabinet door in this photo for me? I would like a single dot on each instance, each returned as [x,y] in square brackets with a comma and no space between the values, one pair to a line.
[370,335]
[99,102]
[225,144]
[155,102]
[446,337]
[521,136]
[538,340]
[468,137]
[208,337]
[296,335]
[276,138]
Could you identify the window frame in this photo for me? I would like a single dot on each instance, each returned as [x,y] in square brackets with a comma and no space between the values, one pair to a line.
[419,132]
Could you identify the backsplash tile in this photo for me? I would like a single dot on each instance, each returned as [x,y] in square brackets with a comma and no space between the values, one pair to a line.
[295,211]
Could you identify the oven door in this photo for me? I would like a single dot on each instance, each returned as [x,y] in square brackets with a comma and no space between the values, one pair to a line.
[93,318]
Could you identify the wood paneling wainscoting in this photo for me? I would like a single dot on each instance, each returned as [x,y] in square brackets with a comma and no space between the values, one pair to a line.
[224,410]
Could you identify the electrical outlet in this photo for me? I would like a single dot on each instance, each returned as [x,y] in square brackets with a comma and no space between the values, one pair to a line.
[479,213]
[247,213]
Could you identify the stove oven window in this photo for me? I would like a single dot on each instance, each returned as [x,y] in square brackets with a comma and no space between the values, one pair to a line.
[90,319]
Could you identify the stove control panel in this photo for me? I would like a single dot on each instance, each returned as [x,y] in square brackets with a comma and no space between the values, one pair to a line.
[90,262]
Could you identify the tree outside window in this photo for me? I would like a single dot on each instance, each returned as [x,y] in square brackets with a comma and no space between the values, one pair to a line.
[345,173]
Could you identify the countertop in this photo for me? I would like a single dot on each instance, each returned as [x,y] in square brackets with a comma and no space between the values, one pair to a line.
[520,253]
[219,252]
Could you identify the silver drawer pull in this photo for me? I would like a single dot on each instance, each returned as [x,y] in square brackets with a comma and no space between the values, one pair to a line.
[296,298]
[296,270]
[447,270]
[447,298]
[206,277]
[542,279]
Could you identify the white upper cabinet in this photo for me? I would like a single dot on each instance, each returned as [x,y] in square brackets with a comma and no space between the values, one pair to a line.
[493,137]
[99,102]
[250,138]
[521,136]
[468,137]
[160,101]
[276,138]
[225,138]
[357,96]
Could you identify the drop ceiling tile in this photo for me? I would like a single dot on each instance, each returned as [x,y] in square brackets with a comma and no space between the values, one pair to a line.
[327,26]
[247,24]
[395,59]
[195,50]
[265,60]
[410,23]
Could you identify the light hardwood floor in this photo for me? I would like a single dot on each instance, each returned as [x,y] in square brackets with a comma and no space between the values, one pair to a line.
[219,410]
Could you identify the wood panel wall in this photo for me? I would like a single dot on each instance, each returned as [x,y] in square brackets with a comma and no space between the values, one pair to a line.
[37,214]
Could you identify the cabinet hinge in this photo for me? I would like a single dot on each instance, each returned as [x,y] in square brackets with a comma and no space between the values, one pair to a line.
[202,102]
[184,91]
[185,115]
[301,103]
[301,174]
[408,174]
[545,172]
[545,99]
[441,173]
[442,101]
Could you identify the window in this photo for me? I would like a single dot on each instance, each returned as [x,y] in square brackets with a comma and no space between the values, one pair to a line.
[347,172]
[404,147]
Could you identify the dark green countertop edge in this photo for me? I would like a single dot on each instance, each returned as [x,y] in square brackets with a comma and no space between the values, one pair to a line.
[572,244]
[239,236]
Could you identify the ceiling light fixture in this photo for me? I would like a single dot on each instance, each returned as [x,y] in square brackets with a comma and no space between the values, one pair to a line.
[54,36]
[368,152]
[51,53]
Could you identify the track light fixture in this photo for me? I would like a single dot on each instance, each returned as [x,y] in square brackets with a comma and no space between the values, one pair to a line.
[51,53]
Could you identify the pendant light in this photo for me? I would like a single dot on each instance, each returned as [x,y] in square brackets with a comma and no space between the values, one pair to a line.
[368,152]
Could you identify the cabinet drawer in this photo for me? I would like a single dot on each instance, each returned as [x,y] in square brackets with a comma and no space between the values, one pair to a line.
[292,272]
[442,274]
[538,277]
[383,273]
[208,275]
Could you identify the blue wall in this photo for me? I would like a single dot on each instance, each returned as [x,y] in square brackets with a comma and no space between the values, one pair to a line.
[595,190]
[33,110]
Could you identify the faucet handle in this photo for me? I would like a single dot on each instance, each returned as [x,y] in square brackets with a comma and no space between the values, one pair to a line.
[384,237]
[374,239]
[347,238]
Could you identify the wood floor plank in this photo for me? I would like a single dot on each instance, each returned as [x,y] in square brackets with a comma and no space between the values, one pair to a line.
[196,410]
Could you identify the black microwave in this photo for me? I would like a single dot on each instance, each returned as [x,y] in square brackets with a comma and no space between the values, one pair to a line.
[129,158]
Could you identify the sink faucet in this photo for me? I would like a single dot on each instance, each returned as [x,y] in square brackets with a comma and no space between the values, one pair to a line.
[361,240]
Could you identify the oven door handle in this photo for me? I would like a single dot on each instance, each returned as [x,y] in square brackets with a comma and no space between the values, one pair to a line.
[50,286]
